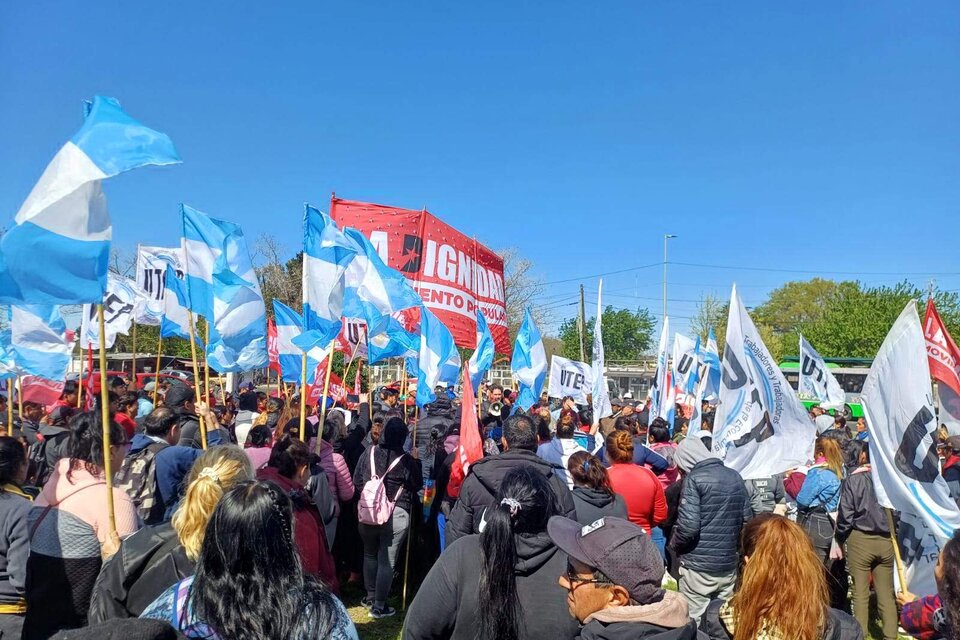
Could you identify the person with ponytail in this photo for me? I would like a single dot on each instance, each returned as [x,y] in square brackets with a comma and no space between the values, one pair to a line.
[249,582]
[501,583]
[640,488]
[156,557]
[14,536]
[781,591]
[70,529]
[593,496]
[258,445]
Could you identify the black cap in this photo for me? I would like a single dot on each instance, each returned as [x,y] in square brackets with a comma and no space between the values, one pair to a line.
[619,549]
[178,395]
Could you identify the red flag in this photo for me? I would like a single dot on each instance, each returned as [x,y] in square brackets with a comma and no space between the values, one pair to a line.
[470,448]
[942,352]
[41,390]
[273,349]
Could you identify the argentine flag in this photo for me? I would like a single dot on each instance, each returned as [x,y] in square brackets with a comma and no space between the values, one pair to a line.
[289,326]
[223,287]
[393,342]
[372,289]
[436,351]
[58,250]
[326,255]
[529,364]
[176,315]
[482,358]
[38,338]
[8,368]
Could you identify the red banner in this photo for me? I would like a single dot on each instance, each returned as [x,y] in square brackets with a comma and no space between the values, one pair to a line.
[452,273]
[273,350]
[942,352]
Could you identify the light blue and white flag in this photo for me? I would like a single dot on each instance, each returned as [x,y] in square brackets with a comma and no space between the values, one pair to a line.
[686,356]
[372,289]
[601,392]
[711,359]
[8,368]
[482,358]
[817,382]
[289,326]
[176,314]
[450,371]
[436,350]
[120,303]
[223,288]
[326,255]
[529,364]
[38,338]
[58,250]
[393,342]
[662,406]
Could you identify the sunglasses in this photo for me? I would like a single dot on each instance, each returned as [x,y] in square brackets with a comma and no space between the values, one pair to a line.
[574,580]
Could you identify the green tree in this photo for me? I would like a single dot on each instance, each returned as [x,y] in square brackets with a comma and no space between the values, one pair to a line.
[626,334]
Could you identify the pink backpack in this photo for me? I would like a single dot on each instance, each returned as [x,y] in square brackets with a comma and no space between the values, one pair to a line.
[375,507]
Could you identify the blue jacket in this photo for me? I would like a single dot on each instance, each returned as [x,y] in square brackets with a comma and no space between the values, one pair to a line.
[821,488]
[642,455]
[172,466]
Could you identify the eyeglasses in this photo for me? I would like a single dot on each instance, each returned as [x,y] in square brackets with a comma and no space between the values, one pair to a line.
[574,580]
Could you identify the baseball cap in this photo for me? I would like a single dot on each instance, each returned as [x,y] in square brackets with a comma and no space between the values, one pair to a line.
[178,395]
[619,549]
[954,443]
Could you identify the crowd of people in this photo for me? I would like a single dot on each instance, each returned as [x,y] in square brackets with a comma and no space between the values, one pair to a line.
[247,525]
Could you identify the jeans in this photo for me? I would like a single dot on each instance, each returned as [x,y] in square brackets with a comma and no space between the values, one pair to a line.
[442,531]
[700,588]
[656,534]
[380,546]
[819,529]
[872,554]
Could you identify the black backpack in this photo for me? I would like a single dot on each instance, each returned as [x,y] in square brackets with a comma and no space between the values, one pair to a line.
[44,454]
[138,478]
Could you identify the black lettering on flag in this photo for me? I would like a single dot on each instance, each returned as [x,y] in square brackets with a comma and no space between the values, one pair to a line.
[913,435]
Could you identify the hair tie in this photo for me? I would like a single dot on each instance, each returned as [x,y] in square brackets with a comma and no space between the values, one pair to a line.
[513,504]
[209,472]
[586,464]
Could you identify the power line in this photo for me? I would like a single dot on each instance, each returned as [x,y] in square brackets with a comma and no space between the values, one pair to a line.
[608,273]
[817,271]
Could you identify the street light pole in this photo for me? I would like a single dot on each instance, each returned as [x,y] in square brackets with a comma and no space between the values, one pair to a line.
[666,237]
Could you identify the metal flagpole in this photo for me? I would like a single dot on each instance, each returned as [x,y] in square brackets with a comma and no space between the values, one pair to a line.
[105,423]
[196,378]
[303,397]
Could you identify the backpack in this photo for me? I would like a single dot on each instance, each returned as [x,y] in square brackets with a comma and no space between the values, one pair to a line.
[137,477]
[375,508]
[40,453]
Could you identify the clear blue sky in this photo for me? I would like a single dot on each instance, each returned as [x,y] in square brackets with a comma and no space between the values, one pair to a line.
[820,136]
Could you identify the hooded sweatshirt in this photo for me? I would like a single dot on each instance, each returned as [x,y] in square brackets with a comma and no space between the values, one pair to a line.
[69,522]
[557,452]
[592,504]
[665,620]
[447,603]
[14,543]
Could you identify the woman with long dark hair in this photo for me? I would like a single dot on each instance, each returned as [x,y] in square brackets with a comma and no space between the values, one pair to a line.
[938,615]
[70,525]
[258,446]
[593,496]
[249,583]
[14,536]
[502,583]
[764,605]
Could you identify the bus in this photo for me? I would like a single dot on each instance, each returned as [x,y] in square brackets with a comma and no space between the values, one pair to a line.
[851,373]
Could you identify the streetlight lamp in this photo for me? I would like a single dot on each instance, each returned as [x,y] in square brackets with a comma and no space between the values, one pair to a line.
[666,237]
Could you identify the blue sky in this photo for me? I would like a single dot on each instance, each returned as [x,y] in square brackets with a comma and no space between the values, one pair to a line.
[821,137]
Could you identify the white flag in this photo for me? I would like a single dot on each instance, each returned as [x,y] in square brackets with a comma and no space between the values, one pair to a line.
[119,304]
[570,378]
[898,406]
[761,428]
[601,393]
[151,267]
[816,380]
[685,360]
[662,404]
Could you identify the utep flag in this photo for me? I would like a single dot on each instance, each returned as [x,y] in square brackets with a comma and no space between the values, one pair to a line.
[662,406]
[151,274]
[372,289]
[436,350]
[816,381]
[761,428]
[529,364]
[119,306]
[686,356]
[482,358]
[470,448]
[176,315]
[570,378]
[711,359]
[944,359]
[38,338]
[326,255]
[903,449]
[601,393]
[57,252]
[223,288]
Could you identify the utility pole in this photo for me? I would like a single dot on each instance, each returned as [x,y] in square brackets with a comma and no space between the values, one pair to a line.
[666,237]
[581,321]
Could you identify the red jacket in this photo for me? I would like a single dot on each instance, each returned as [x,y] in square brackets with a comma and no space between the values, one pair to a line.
[643,493]
[129,424]
[308,531]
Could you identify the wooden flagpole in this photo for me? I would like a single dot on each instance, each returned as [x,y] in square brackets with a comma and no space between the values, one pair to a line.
[156,373]
[196,377]
[133,362]
[206,366]
[9,406]
[326,389]
[105,423]
[223,393]
[303,396]
[901,573]
[20,397]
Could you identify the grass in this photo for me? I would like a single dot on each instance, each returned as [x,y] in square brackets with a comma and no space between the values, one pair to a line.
[369,628]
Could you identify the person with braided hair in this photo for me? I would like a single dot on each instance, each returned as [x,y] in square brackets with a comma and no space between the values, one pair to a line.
[501,583]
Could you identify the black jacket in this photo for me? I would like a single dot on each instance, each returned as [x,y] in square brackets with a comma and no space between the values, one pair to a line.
[596,630]
[430,431]
[859,508]
[840,626]
[406,474]
[148,563]
[483,482]
[446,605]
[714,505]
[591,505]
[190,432]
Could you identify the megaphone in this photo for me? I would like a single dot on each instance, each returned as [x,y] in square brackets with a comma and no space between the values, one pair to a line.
[495,409]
